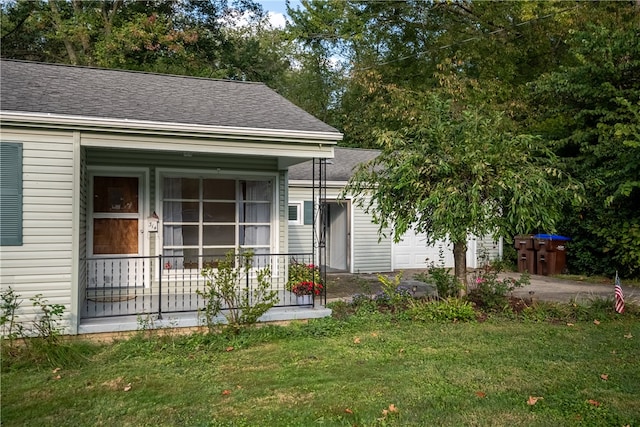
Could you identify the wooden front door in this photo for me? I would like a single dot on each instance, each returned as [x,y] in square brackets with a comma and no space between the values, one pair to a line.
[116,230]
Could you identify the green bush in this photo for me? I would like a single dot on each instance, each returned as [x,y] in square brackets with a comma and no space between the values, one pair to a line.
[226,294]
[490,292]
[444,310]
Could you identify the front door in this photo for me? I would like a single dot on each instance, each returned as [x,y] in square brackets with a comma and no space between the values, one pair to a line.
[115,224]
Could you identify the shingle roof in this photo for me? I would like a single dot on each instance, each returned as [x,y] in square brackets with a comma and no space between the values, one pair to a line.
[340,168]
[103,93]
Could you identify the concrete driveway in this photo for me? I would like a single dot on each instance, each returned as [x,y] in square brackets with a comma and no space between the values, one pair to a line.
[542,288]
[545,288]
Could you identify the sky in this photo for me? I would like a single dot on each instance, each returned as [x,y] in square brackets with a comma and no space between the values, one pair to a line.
[277,10]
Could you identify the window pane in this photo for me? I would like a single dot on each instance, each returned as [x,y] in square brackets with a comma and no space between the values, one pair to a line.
[293,212]
[115,194]
[181,188]
[255,234]
[213,255]
[181,211]
[181,235]
[256,190]
[219,235]
[219,212]
[255,212]
[219,189]
[115,236]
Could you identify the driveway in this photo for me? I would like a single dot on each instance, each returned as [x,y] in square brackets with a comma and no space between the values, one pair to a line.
[545,288]
[542,288]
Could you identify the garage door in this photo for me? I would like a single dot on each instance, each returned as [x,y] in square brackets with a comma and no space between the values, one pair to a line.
[412,252]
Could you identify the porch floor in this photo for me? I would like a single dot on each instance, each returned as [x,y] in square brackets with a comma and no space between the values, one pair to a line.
[190,319]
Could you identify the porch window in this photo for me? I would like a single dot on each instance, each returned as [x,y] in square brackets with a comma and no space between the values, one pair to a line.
[205,218]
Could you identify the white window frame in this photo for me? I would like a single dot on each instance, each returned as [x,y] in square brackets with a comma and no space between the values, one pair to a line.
[299,213]
[217,174]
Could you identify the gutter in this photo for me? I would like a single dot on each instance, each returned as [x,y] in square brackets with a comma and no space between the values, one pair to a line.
[163,128]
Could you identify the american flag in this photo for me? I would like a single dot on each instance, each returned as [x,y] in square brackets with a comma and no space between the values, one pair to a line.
[619,297]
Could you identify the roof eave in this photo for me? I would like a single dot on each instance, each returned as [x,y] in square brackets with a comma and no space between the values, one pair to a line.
[150,127]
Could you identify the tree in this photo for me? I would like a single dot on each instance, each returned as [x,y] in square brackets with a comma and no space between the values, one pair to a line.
[590,110]
[451,171]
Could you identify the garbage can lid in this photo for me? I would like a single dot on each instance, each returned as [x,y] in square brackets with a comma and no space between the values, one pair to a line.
[551,237]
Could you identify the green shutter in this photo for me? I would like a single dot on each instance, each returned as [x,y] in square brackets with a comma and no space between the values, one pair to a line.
[308,212]
[10,194]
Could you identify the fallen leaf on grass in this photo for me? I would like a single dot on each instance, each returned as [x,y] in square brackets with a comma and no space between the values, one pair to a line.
[229,349]
[127,387]
[348,411]
[593,402]
[57,377]
[226,392]
[55,371]
[481,394]
[356,340]
[570,324]
[604,377]
[533,400]
[596,322]
[628,336]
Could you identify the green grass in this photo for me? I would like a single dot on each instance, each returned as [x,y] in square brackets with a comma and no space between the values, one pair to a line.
[332,372]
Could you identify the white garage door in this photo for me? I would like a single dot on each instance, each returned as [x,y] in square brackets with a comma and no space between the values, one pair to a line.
[413,252]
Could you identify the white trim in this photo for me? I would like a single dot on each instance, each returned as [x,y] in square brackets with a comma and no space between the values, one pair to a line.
[224,174]
[74,309]
[299,212]
[144,126]
[144,202]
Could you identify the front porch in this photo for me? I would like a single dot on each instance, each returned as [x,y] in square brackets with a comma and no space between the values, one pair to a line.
[129,293]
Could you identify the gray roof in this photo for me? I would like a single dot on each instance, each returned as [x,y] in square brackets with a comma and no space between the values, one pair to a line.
[115,94]
[340,168]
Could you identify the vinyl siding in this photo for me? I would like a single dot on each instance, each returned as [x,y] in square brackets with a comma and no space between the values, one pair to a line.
[300,236]
[369,254]
[43,264]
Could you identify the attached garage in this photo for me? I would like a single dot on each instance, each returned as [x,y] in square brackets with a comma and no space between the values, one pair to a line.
[352,237]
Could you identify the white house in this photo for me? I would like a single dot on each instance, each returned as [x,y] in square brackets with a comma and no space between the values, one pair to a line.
[352,239]
[118,186]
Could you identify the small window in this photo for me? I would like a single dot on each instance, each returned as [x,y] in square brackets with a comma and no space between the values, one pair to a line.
[10,194]
[295,213]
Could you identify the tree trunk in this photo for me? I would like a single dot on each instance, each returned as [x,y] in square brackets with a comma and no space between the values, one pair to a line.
[460,264]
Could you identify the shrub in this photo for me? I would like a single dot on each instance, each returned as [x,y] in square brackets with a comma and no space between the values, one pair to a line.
[224,292]
[490,292]
[444,310]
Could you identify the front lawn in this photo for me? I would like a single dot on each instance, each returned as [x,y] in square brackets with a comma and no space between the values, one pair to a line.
[367,370]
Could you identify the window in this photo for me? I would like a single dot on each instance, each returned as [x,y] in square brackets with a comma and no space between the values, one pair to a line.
[10,194]
[205,218]
[295,213]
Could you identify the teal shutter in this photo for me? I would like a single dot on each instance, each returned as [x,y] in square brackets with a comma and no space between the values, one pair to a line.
[308,212]
[10,194]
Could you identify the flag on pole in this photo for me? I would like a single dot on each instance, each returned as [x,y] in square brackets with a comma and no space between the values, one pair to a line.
[619,297]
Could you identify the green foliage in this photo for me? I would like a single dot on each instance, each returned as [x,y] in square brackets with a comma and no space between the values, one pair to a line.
[491,292]
[10,303]
[443,310]
[590,109]
[304,279]
[446,283]
[451,173]
[231,291]
[38,341]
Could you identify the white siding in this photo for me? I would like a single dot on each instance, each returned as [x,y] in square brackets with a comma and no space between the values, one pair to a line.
[43,264]
[369,254]
[300,236]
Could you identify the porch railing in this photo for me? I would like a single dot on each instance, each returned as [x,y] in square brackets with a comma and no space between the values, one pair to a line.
[157,285]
